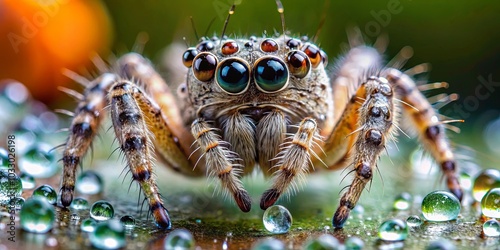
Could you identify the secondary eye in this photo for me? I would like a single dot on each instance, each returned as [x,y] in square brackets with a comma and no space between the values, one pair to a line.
[269,45]
[313,53]
[233,76]
[298,63]
[294,43]
[229,48]
[270,74]
[204,65]
[188,56]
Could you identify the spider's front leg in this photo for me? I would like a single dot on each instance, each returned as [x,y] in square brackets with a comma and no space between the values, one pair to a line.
[376,116]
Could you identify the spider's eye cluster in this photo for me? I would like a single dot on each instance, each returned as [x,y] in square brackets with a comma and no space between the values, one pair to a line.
[270,73]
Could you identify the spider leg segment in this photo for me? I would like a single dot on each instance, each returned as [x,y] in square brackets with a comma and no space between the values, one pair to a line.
[221,162]
[425,120]
[84,127]
[376,117]
[136,143]
[294,160]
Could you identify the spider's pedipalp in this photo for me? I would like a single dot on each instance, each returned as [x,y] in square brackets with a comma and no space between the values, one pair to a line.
[87,117]
[294,162]
[221,162]
[376,117]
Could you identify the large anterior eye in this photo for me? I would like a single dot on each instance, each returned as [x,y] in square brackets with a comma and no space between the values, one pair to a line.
[204,65]
[233,76]
[270,74]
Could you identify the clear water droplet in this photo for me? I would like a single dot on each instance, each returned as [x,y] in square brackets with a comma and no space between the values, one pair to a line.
[37,215]
[354,243]
[269,244]
[414,221]
[402,201]
[88,225]
[75,217]
[490,204]
[38,161]
[102,210]
[323,242]
[128,221]
[79,204]
[89,182]
[17,202]
[47,192]
[277,219]
[179,239]
[440,206]
[10,186]
[27,181]
[491,228]
[108,235]
[441,244]
[486,180]
[393,230]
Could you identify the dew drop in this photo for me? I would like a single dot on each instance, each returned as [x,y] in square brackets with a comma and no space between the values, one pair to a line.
[27,181]
[88,225]
[47,192]
[414,221]
[17,202]
[128,221]
[102,210]
[10,186]
[486,180]
[490,204]
[323,242]
[269,244]
[37,215]
[89,182]
[79,204]
[108,235]
[402,201]
[354,243]
[393,230]
[277,219]
[440,206]
[491,228]
[38,161]
[179,239]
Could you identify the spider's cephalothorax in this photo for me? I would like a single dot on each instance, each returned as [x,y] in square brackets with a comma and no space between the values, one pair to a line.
[265,102]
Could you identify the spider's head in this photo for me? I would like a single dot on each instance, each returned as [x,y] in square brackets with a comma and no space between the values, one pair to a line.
[254,72]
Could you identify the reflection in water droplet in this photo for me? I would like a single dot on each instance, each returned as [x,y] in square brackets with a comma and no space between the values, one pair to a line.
[37,215]
[28,181]
[393,230]
[46,192]
[38,161]
[108,235]
[79,204]
[486,180]
[414,221]
[102,210]
[128,221]
[440,206]
[17,202]
[491,228]
[88,225]
[179,239]
[10,186]
[402,201]
[490,204]
[277,219]
[89,182]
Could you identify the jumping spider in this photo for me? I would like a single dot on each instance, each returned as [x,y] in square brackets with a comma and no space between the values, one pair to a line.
[266,102]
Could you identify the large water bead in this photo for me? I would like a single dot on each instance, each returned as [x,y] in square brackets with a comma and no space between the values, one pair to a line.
[393,230]
[37,215]
[491,228]
[102,210]
[108,235]
[46,192]
[490,204]
[89,182]
[440,206]
[277,219]
[486,180]
[179,239]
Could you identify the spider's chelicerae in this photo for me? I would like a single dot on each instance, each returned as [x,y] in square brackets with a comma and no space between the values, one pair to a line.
[266,102]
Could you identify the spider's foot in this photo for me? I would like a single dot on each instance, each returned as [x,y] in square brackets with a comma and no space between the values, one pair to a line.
[161,216]
[340,217]
[269,198]
[243,200]
[66,196]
